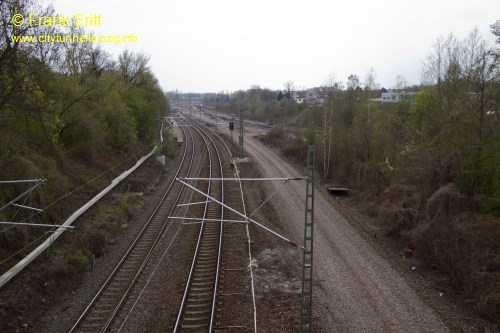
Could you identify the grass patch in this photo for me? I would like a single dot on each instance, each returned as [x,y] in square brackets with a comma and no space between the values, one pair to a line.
[78,261]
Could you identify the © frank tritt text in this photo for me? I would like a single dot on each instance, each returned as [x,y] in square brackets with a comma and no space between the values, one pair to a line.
[77,20]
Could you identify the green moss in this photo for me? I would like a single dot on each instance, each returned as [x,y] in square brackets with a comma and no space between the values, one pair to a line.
[78,261]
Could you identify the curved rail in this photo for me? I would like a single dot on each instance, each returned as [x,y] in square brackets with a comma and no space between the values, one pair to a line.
[103,308]
[198,305]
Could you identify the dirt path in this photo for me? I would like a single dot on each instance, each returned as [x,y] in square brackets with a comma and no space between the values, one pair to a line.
[356,289]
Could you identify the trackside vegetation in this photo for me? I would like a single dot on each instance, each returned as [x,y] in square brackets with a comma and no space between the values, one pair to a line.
[68,113]
[426,166]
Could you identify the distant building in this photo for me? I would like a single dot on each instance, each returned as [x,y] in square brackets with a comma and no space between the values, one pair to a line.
[310,96]
[392,96]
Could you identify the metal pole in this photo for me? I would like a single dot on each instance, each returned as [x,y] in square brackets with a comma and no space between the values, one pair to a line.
[40,181]
[307,267]
[247,179]
[39,225]
[2,182]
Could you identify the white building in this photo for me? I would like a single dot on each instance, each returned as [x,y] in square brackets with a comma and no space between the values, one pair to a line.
[392,96]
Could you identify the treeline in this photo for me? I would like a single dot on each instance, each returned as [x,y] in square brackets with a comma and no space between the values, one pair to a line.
[261,104]
[427,167]
[68,112]
[72,98]
[453,115]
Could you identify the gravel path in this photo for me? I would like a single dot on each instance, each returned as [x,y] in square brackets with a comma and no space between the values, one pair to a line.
[357,289]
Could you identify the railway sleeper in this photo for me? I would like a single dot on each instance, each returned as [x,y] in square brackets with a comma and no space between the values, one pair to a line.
[130,268]
[204,279]
[118,288]
[197,312]
[202,282]
[210,239]
[112,293]
[202,262]
[211,283]
[142,247]
[211,251]
[121,278]
[137,258]
[196,295]
[211,257]
[202,274]
[198,318]
[205,266]
[105,302]
[99,318]
[210,243]
[206,302]
[207,288]
[194,326]
[204,255]
[201,299]
[91,325]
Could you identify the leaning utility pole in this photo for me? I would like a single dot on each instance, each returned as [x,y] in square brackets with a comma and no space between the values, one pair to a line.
[307,267]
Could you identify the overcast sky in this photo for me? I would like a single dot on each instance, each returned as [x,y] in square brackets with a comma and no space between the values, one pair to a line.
[226,45]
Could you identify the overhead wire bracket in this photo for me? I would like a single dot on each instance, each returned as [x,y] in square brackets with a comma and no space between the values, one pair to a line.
[248,219]
[37,182]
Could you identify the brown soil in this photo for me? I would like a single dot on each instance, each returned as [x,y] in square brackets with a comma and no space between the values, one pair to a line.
[52,278]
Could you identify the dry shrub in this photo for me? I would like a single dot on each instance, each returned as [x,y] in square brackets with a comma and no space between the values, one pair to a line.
[398,220]
[490,304]
[367,176]
[400,209]
[371,209]
[424,205]
[18,167]
[446,201]
[464,245]
[22,168]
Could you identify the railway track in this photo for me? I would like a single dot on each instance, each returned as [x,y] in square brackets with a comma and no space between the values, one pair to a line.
[198,305]
[198,308]
[100,314]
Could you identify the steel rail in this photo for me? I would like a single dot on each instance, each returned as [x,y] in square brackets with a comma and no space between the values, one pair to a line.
[228,150]
[216,284]
[181,313]
[137,240]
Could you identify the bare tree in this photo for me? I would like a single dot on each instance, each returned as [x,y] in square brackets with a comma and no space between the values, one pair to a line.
[370,82]
[50,54]
[289,87]
[495,30]
[134,67]
[401,82]
[332,90]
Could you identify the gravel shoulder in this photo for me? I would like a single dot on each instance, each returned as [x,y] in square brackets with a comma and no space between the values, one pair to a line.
[357,289]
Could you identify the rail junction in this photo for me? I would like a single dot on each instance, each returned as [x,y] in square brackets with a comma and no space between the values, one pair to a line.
[218,254]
